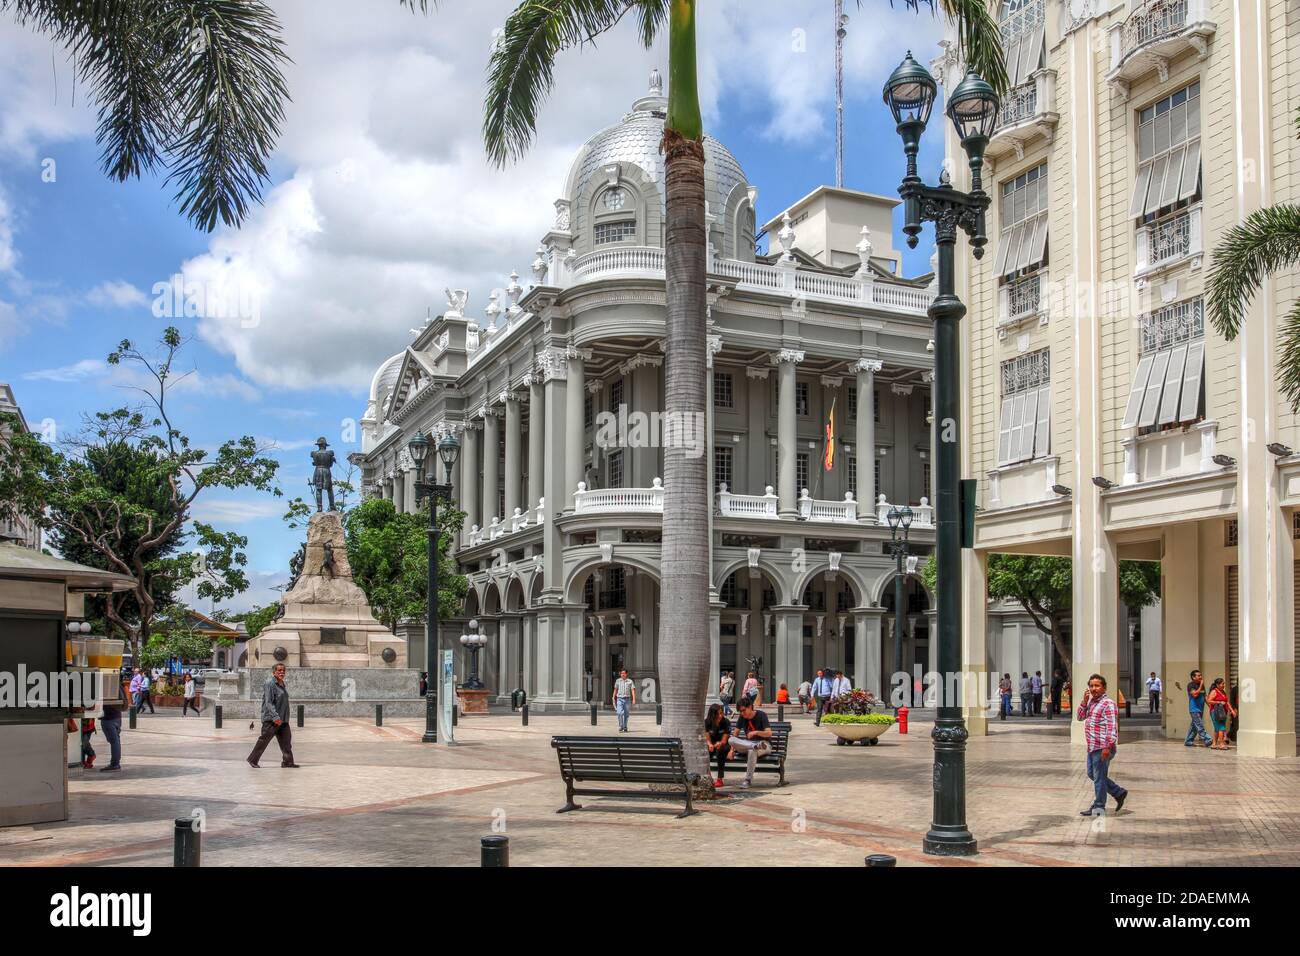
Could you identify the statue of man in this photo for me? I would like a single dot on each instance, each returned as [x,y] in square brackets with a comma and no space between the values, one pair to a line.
[322,479]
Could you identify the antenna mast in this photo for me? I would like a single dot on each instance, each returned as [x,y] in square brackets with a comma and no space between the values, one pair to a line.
[840,22]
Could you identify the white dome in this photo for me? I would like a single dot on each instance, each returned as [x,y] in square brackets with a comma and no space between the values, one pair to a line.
[635,140]
[386,377]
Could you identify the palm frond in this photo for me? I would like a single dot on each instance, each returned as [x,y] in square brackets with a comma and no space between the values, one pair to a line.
[1268,241]
[978,34]
[521,72]
[1288,363]
[194,85]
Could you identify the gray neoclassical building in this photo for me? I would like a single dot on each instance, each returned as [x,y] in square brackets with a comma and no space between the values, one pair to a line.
[556,393]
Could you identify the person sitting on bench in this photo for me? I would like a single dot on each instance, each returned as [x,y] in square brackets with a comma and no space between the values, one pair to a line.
[756,742]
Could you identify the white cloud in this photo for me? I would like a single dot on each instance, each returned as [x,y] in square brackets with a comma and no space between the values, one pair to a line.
[39,107]
[234,510]
[390,199]
[116,294]
[76,372]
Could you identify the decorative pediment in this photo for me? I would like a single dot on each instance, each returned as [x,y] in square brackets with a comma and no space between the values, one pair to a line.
[416,377]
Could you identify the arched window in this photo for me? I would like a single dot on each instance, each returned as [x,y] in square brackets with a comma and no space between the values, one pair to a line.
[615,217]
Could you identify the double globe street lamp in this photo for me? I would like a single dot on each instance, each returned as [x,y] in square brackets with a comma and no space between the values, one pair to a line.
[973,108]
[900,520]
[448,451]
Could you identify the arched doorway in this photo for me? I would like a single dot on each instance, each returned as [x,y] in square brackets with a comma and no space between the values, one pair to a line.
[828,625]
[747,627]
[917,640]
[620,628]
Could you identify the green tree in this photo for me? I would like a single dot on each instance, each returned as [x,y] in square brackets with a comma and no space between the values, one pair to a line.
[116,527]
[1043,586]
[190,87]
[389,554]
[1265,244]
[521,74]
[257,619]
[175,638]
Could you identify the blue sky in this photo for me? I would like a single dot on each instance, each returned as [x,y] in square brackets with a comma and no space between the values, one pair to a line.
[380,198]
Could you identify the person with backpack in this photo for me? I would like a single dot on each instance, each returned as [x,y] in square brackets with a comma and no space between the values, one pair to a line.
[1220,710]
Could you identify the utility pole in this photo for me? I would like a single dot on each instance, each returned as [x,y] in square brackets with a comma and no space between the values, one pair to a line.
[841,21]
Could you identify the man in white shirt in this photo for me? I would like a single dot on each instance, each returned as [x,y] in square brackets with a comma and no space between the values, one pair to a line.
[841,685]
[805,695]
[1154,687]
[624,699]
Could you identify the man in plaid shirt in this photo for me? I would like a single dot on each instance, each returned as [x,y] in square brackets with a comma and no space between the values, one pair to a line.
[1101,733]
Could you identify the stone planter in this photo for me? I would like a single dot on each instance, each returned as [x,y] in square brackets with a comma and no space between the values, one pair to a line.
[868,734]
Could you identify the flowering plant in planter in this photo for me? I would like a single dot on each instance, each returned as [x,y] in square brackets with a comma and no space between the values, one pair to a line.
[857,701]
[842,719]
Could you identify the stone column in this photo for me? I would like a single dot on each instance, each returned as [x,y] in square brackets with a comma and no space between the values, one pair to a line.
[1266,595]
[787,434]
[975,689]
[469,476]
[536,439]
[866,650]
[643,386]
[491,465]
[408,487]
[865,438]
[789,647]
[513,470]
[554,477]
[715,651]
[575,433]
[758,448]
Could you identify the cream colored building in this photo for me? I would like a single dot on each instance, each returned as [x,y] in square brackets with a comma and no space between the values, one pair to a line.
[1105,418]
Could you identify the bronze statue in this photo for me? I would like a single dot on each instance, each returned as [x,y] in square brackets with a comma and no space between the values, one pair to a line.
[327,562]
[322,479]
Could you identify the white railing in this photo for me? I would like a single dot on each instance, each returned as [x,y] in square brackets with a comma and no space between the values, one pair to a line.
[1024,296]
[498,528]
[1165,26]
[757,276]
[476,535]
[1154,21]
[606,500]
[1020,104]
[922,514]
[747,506]
[1170,239]
[840,512]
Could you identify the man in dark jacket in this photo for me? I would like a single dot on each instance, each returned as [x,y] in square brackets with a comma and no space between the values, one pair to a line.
[275,720]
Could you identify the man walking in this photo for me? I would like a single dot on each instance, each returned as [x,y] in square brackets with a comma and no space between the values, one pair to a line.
[805,696]
[136,678]
[1101,734]
[822,689]
[1036,687]
[624,699]
[841,685]
[1153,693]
[757,740]
[275,720]
[189,700]
[146,697]
[1026,694]
[1196,709]
[1058,685]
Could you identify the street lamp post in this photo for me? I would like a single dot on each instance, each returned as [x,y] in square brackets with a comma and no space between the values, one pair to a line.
[448,451]
[900,519]
[473,642]
[973,108]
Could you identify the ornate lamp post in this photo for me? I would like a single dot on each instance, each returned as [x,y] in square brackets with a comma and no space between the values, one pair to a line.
[900,519]
[473,642]
[448,451]
[973,108]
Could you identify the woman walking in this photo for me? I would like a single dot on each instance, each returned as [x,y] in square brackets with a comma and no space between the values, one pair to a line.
[751,686]
[727,691]
[1221,710]
[717,731]
[190,689]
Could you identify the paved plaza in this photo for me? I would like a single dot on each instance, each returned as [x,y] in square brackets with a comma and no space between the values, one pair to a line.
[377,796]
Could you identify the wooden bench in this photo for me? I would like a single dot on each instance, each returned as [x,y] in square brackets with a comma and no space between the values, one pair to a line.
[648,760]
[774,760]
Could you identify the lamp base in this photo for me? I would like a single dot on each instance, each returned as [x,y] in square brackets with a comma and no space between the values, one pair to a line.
[950,843]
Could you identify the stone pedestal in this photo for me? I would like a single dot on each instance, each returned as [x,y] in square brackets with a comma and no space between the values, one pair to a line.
[327,621]
[472,701]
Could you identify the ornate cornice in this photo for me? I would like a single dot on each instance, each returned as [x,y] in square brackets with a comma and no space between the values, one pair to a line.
[788,355]
[867,365]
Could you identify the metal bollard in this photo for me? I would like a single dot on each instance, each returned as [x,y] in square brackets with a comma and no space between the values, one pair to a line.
[659,715]
[1051,709]
[524,710]
[593,715]
[1128,708]
[881,859]
[131,719]
[494,851]
[301,711]
[187,844]
[379,715]
[1002,710]
[455,715]
[216,716]
[780,712]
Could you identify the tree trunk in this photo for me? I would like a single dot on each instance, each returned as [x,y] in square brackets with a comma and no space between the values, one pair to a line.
[684,614]
[1062,650]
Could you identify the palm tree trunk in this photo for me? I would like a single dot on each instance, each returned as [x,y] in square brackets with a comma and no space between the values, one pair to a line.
[684,616]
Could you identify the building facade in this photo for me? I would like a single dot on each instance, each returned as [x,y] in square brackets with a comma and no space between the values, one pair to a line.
[20,530]
[557,396]
[1106,419]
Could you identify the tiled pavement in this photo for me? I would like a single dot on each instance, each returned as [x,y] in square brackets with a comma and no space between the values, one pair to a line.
[370,795]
